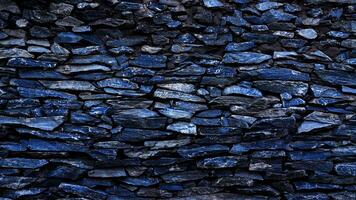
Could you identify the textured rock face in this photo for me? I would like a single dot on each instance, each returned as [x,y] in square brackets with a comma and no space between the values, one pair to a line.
[169,99]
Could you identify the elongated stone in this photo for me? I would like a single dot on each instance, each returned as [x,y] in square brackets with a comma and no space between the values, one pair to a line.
[176,113]
[14,53]
[137,135]
[168,94]
[69,85]
[232,181]
[82,191]
[346,169]
[292,87]
[183,127]
[23,163]
[245,57]
[30,63]
[166,144]
[236,89]
[43,123]
[150,61]
[107,173]
[53,146]
[141,181]
[178,177]
[280,74]
[36,93]
[117,83]
[181,87]
[69,69]
[15,182]
[337,77]
[219,162]
[192,152]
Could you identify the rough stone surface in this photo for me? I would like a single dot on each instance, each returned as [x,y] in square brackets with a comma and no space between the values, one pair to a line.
[180,100]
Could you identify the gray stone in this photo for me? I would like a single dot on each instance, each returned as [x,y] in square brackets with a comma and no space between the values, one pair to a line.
[14,53]
[23,163]
[168,94]
[346,169]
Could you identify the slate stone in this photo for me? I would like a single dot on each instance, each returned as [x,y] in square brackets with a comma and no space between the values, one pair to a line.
[308,33]
[69,69]
[168,94]
[292,87]
[242,46]
[245,58]
[140,181]
[178,177]
[280,74]
[43,123]
[268,5]
[23,163]
[42,93]
[183,127]
[107,173]
[240,90]
[14,53]
[15,182]
[150,61]
[137,135]
[69,85]
[200,151]
[68,38]
[213,3]
[82,191]
[337,77]
[52,146]
[232,181]
[30,63]
[346,169]
[117,83]
[219,162]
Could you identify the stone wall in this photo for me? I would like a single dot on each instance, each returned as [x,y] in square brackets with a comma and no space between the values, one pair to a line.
[177,99]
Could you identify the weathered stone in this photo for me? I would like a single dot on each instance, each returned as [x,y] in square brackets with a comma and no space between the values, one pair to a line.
[137,135]
[107,173]
[200,151]
[43,123]
[308,33]
[337,77]
[35,93]
[232,181]
[14,53]
[24,163]
[69,69]
[294,88]
[30,63]
[241,90]
[246,58]
[140,181]
[168,94]
[117,83]
[346,169]
[15,182]
[69,85]
[178,177]
[219,162]
[150,61]
[82,191]
[183,127]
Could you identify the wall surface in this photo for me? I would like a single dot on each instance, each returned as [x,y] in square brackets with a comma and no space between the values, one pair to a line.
[178,99]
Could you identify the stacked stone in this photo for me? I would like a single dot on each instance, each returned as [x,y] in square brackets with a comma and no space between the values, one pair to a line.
[169,99]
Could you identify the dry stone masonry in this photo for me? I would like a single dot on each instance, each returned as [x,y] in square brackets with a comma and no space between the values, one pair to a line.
[178,99]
